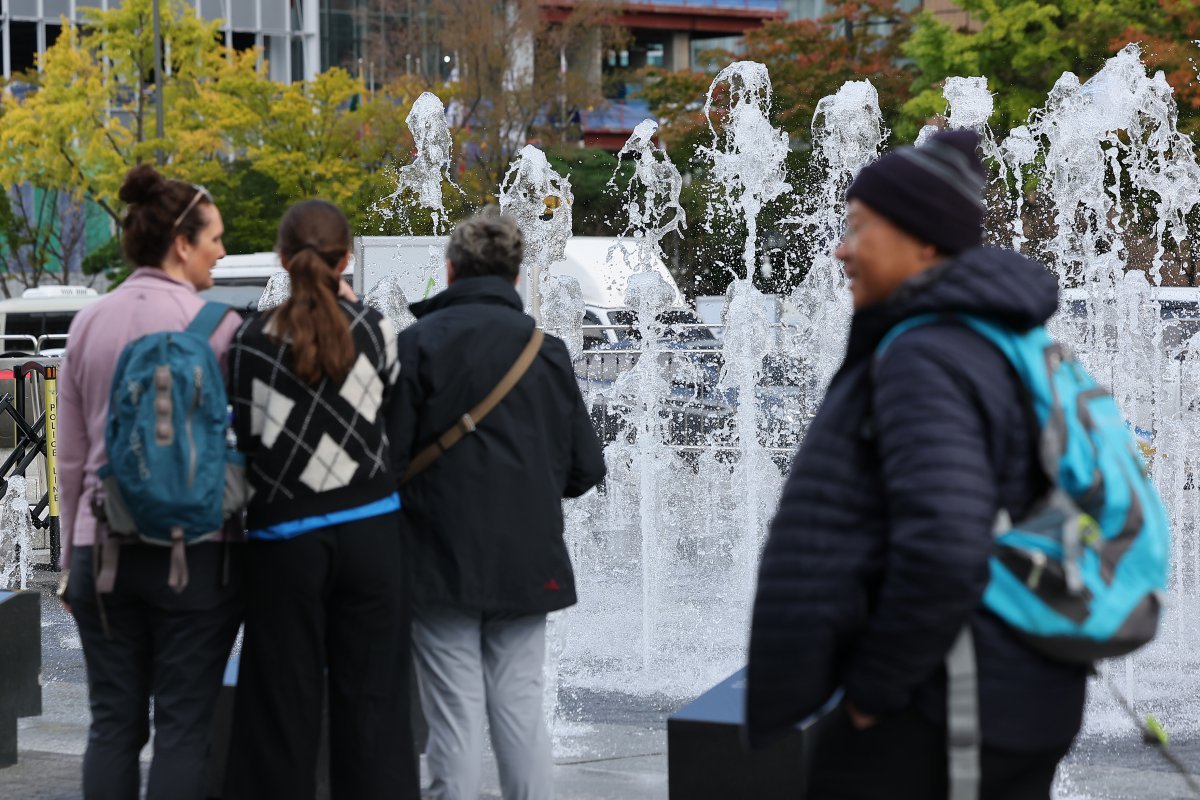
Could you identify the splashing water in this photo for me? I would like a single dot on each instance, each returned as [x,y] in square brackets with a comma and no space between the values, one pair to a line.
[421,181]
[971,104]
[540,201]
[16,535]
[279,288]
[1111,147]
[387,297]
[665,549]
[748,154]
[847,134]
[748,157]
[652,197]
[562,311]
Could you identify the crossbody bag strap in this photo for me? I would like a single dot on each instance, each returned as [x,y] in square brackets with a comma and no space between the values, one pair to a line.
[962,718]
[468,421]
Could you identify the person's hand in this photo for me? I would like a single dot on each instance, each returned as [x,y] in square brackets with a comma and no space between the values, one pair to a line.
[346,293]
[62,590]
[858,719]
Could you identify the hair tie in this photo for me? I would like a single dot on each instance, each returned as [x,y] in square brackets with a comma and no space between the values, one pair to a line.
[330,259]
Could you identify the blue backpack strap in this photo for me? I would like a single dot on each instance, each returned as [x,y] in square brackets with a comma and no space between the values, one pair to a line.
[205,323]
[903,327]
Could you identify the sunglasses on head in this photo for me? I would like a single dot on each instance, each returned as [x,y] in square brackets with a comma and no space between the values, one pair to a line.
[201,193]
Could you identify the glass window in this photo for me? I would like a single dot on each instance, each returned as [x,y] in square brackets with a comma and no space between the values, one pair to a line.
[53,9]
[213,9]
[23,39]
[276,49]
[244,14]
[804,9]
[297,59]
[274,15]
[702,59]
[243,41]
[339,45]
[23,8]
[38,324]
[655,56]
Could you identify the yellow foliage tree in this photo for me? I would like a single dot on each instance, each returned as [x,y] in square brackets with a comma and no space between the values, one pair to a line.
[259,144]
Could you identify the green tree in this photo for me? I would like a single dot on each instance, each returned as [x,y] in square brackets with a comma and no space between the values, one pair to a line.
[598,208]
[1021,46]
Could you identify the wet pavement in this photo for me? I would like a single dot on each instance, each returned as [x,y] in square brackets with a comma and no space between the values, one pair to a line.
[616,745]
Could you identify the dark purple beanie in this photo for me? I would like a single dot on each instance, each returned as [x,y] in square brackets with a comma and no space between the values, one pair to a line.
[933,192]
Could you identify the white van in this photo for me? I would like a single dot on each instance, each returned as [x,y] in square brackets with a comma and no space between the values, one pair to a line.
[239,280]
[38,320]
[596,262]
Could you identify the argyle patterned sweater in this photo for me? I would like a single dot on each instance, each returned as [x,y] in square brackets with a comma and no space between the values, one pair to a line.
[313,449]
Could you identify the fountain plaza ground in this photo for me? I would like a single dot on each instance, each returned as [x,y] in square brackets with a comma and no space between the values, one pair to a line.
[665,556]
[618,741]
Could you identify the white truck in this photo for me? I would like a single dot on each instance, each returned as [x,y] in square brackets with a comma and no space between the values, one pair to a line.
[419,264]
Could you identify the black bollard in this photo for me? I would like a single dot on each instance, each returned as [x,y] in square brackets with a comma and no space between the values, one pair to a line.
[20,667]
[706,759]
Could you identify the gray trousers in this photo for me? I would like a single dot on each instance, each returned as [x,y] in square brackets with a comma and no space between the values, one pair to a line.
[468,663]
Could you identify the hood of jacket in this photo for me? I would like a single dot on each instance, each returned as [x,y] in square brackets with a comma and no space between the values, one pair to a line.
[991,282]
[490,289]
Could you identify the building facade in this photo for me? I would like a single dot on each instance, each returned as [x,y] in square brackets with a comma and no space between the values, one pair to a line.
[947,11]
[288,31]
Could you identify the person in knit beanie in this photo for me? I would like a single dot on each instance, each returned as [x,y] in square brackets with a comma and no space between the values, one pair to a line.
[873,575]
[932,195]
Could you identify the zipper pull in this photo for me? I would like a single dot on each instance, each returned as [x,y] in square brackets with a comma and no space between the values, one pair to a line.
[1039,566]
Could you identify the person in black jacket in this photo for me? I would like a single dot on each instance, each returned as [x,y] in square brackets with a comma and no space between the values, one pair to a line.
[488,556]
[877,557]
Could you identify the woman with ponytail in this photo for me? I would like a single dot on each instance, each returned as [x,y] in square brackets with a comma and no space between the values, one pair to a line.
[140,638]
[311,387]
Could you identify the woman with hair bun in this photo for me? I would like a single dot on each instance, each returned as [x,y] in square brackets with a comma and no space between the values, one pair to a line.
[312,384]
[143,640]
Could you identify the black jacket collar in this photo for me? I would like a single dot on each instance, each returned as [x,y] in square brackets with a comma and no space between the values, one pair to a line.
[490,289]
[983,281]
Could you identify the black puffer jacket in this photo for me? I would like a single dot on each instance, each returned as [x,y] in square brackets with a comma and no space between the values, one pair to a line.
[878,553]
[487,516]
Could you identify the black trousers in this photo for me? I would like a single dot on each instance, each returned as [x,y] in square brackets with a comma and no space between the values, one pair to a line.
[903,757]
[328,607]
[164,645]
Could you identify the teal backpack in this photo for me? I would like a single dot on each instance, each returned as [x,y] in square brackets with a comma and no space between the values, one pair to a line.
[166,439]
[1080,577]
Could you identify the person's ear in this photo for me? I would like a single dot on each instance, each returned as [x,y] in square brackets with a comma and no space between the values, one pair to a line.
[181,248]
[450,276]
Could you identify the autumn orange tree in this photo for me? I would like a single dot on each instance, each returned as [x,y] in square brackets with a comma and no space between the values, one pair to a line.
[1171,42]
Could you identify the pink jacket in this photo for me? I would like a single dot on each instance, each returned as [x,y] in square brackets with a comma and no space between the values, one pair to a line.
[147,302]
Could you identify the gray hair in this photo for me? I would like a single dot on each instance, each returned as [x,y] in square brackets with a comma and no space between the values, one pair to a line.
[486,244]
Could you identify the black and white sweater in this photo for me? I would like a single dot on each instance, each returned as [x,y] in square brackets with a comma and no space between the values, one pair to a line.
[313,450]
